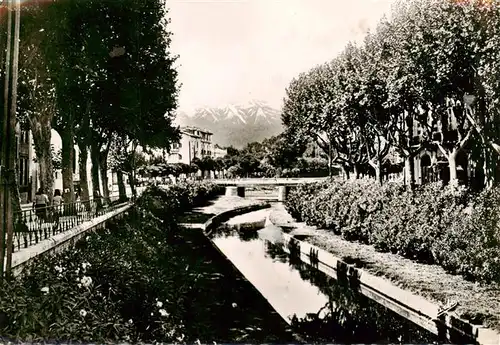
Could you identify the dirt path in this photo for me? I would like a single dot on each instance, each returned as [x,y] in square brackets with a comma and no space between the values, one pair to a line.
[478,304]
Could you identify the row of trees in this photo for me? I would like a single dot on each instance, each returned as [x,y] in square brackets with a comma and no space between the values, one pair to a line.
[100,73]
[434,66]
[276,157]
[272,157]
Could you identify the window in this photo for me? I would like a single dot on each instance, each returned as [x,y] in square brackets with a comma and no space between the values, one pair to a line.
[23,172]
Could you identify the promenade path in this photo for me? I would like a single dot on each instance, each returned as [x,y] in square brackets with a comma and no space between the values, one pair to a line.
[33,230]
[196,217]
[267,181]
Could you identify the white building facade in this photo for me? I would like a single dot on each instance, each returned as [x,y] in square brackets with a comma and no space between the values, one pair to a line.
[219,152]
[29,172]
[194,143]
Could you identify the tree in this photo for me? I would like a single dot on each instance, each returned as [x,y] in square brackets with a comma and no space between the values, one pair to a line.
[303,109]
[36,101]
[374,119]
[445,62]
[114,78]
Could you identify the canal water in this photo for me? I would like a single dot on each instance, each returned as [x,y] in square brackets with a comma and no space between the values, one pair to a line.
[316,306]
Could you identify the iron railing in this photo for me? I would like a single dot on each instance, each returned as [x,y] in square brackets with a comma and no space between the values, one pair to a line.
[36,224]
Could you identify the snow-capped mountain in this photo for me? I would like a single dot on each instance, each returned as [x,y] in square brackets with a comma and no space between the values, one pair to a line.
[235,125]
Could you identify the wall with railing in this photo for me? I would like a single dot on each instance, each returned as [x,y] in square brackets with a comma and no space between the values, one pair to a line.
[40,223]
[43,230]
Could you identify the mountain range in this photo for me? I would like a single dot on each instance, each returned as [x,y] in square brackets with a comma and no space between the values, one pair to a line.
[235,125]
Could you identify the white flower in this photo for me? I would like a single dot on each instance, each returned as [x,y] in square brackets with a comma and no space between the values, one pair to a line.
[163,312]
[234,305]
[58,269]
[159,304]
[130,321]
[198,342]
[85,265]
[86,281]
[83,313]
[180,338]
[79,285]
[45,290]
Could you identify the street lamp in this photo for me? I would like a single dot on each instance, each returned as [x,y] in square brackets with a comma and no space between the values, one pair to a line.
[8,153]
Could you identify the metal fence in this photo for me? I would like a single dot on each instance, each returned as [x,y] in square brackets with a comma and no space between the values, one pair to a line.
[36,224]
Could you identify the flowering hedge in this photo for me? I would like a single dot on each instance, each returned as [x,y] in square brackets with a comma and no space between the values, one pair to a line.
[433,224]
[174,199]
[112,286]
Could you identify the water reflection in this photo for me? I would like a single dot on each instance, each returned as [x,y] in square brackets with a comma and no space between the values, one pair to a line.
[349,316]
[279,283]
[319,307]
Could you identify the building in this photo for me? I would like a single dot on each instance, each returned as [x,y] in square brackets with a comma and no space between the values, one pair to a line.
[431,164]
[219,152]
[194,143]
[29,171]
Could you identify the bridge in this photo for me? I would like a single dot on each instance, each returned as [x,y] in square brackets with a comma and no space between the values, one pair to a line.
[236,187]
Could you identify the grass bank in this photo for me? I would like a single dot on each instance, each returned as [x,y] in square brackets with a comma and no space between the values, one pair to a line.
[440,243]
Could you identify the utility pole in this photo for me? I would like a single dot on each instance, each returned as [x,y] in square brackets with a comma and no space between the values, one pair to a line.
[8,152]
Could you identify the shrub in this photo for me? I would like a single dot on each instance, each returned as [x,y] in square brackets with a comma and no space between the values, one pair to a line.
[432,224]
[471,246]
[112,285]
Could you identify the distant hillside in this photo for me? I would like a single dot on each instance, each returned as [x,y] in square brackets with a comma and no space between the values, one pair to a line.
[236,125]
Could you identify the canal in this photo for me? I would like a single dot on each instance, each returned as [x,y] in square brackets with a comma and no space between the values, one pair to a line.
[316,306]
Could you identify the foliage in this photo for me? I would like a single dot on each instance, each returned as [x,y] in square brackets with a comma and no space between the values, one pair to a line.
[434,224]
[113,286]
[425,79]
[275,156]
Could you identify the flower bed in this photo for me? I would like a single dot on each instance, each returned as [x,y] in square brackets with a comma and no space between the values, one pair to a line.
[141,279]
[433,224]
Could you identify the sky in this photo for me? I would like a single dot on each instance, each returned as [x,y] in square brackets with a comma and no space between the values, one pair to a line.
[235,51]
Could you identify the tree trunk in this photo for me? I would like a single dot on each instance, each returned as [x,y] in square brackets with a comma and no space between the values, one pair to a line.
[452,164]
[103,166]
[345,168]
[412,171]
[122,190]
[355,175]
[489,178]
[131,182]
[94,172]
[378,173]
[15,195]
[407,171]
[132,173]
[68,153]
[377,166]
[82,169]
[41,139]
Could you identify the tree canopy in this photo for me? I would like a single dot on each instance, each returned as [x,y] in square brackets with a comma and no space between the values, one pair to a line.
[427,78]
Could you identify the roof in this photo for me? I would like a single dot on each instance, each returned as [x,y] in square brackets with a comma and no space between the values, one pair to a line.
[193,128]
